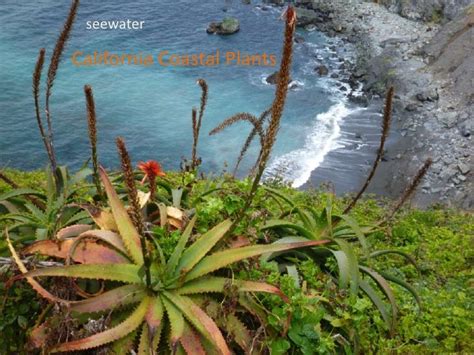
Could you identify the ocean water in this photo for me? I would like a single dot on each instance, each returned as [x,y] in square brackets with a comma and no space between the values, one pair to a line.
[151,106]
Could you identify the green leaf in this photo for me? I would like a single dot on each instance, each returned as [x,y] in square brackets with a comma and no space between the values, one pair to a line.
[20,192]
[110,335]
[223,258]
[176,320]
[115,298]
[220,284]
[377,301]
[280,346]
[357,231]
[200,320]
[178,251]
[123,273]
[385,287]
[352,268]
[405,285]
[281,195]
[274,224]
[129,234]
[202,246]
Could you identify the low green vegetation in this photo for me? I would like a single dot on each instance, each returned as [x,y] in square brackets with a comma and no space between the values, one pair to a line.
[324,317]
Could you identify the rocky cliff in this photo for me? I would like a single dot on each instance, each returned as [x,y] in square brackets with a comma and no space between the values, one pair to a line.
[427,10]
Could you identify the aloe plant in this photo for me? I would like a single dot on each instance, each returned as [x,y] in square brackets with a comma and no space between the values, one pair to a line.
[168,302]
[342,231]
[39,215]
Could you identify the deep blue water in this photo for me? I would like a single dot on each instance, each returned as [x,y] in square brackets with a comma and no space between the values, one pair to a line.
[151,106]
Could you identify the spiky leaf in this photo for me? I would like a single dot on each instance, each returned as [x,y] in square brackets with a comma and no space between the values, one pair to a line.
[223,258]
[110,335]
[129,234]
[125,273]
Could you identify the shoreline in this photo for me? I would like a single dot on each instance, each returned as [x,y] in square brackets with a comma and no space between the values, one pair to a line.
[429,118]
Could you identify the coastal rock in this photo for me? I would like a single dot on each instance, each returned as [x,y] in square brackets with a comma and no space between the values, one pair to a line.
[427,10]
[275,2]
[451,52]
[428,95]
[322,70]
[463,168]
[359,99]
[467,128]
[411,107]
[307,17]
[273,78]
[299,39]
[228,26]
[448,119]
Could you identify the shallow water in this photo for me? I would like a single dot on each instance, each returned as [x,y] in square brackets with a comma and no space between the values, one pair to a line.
[151,106]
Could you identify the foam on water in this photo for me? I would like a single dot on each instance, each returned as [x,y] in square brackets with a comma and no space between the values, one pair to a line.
[297,165]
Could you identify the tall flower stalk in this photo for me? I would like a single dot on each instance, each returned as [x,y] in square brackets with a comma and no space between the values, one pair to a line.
[197,121]
[387,118]
[276,111]
[92,128]
[135,210]
[47,134]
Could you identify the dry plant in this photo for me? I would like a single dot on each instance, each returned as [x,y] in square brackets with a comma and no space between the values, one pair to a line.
[268,136]
[410,189]
[47,135]
[134,210]
[92,128]
[197,121]
[387,118]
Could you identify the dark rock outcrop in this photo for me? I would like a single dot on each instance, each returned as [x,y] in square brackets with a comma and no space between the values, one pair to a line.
[273,78]
[228,26]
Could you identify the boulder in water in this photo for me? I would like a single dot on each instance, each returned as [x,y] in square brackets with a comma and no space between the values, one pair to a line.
[273,78]
[228,26]
[322,70]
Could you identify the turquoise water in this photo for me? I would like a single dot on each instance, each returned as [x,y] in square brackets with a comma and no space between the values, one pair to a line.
[151,106]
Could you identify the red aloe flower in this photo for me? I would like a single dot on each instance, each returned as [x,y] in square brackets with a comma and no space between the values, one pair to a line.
[152,169]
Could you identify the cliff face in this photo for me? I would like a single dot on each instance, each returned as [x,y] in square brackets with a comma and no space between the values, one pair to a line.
[451,52]
[427,10]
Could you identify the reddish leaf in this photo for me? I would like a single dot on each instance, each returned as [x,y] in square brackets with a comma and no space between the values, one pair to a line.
[87,252]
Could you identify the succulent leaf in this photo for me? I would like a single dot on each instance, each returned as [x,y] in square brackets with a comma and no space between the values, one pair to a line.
[219,284]
[109,335]
[223,258]
[108,237]
[116,298]
[89,252]
[72,231]
[273,224]
[191,342]
[202,246]
[125,273]
[178,251]
[200,320]
[176,320]
[385,287]
[129,234]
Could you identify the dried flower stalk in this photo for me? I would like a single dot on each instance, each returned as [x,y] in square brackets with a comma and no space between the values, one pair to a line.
[387,118]
[92,129]
[411,188]
[54,64]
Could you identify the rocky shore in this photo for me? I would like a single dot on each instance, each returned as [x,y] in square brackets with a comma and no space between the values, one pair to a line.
[425,51]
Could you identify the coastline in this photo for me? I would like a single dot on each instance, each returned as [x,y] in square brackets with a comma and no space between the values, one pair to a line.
[430,118]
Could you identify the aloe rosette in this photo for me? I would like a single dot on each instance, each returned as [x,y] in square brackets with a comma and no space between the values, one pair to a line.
[169,301]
